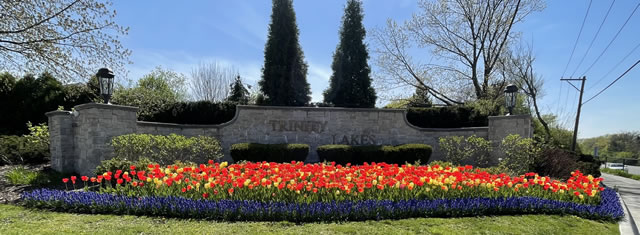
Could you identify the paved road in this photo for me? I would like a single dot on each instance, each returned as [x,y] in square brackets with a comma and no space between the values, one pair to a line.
[629,190]
[633,169]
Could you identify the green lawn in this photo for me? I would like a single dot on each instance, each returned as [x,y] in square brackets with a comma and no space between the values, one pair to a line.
[18,220]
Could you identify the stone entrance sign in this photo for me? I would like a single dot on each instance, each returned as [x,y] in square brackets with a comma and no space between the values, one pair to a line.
[79,142]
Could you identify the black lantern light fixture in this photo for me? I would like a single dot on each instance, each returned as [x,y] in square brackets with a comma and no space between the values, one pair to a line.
[510,95]
[105,78]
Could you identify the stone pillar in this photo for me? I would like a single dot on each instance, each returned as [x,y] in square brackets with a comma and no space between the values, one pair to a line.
[97,124]
[502,126]
[61,138]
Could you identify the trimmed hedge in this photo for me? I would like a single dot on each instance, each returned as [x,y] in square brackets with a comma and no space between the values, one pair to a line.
[269,152]
[343,154]
[446,117]
[166,149]
[200,112]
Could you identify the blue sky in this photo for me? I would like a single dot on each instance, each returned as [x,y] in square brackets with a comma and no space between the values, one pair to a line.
[178,36]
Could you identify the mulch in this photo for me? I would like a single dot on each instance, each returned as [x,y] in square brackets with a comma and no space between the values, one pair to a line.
[10,194]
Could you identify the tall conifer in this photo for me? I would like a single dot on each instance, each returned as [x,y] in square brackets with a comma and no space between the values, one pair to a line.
[284,75]
[350,84]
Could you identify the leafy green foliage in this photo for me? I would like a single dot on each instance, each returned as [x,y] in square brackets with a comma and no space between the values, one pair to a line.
[614,147]
[153,93]
[199,112]
[269,152]
[560,137]
[118,163]
[520,154]
[239,93]
[620,173]
[28,99]
[284,75]
[558,163]
[459,150]
[344,154]
[446,117]
[350,83]
[79,93]
[420,99]
[20,175]
[31,148]
[166,149]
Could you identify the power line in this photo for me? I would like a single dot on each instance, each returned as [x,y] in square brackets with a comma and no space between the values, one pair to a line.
[614,67]
[614,81]
[577,39]
[593,40]
[612,40]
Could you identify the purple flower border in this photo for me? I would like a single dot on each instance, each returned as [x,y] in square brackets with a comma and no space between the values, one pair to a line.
[609,209]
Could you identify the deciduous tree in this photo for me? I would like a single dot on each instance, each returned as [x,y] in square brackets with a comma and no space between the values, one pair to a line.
[68,38]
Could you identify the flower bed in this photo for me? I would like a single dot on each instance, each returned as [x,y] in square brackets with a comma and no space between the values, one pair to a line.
[310,192]
[237,210]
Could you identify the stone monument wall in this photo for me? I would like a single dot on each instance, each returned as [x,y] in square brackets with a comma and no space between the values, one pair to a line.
[80,140]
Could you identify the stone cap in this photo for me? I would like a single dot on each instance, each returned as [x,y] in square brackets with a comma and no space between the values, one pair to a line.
[510,117]
[106,106]
[176,125]
[342,109]
[57,112]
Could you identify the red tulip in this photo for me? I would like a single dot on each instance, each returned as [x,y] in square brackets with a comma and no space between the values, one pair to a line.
[65,180]
[84,178]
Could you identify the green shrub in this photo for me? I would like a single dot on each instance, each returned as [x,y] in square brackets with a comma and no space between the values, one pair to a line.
[254,152]
[339,153]
[23,176]
[199,112]
[459,150]
[117,163]
[441,163]
[413,152]
[166,149]
[28,149]
[559,163]
[446,117]
[520,154]
[343,154]
[587,164]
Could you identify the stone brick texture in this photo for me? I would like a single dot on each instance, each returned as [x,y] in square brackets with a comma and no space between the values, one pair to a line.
[80,142]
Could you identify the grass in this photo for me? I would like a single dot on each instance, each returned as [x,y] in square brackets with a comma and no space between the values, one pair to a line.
[23,176]
[620,173]
[18,220]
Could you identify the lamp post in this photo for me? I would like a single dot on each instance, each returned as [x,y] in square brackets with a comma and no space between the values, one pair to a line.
[105,78]
[510,95]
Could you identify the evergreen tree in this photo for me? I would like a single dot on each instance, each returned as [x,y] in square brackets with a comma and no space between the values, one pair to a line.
[350,82]
[284,75]
[239,94]
[420,99]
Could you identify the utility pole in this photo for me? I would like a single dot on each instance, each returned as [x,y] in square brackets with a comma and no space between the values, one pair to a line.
[581,90]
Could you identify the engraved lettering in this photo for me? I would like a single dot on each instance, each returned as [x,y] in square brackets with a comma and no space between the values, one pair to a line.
[345,140]
[324,126]
[354,140]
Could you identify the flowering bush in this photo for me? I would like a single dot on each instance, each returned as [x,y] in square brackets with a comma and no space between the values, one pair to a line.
[307,183]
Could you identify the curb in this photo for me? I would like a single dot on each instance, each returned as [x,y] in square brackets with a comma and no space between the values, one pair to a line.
[628,224]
